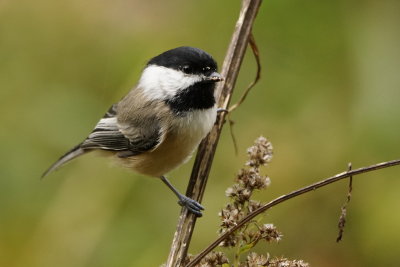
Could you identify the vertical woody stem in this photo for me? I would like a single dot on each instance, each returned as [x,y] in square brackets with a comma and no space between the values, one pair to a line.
[206,151]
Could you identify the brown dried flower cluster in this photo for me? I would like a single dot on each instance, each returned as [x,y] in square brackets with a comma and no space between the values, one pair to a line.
[214,258]
[260,154]
[248,180]
[255,260]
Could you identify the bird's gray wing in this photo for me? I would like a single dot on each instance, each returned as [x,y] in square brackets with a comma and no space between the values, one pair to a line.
[128,139]
[135,137]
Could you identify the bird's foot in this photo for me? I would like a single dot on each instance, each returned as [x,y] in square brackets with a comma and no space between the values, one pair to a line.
[192,205]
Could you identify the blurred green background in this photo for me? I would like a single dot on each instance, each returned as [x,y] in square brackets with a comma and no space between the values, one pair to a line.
[329,95]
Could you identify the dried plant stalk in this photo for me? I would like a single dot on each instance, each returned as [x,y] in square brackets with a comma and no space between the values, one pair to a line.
[205,154]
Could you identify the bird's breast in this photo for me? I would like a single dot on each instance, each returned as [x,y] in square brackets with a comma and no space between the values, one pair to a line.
[182,138]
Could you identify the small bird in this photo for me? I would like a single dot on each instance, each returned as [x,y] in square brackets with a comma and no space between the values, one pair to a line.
[160,122]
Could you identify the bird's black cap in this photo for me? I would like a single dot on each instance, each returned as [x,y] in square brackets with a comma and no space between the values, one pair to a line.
[190,60]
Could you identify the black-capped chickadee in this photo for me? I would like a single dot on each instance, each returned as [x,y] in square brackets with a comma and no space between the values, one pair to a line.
[160,122]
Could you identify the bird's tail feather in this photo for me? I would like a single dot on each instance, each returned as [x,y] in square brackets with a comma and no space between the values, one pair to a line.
[73,153]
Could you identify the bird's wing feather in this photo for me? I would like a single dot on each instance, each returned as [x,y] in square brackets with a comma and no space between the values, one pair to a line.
[134,137]
[71,154]
[129,140]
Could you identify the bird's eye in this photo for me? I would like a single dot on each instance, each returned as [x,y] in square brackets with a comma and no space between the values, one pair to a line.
[186,69]
[206,69]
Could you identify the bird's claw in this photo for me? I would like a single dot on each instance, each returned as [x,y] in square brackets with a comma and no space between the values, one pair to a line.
[192,205]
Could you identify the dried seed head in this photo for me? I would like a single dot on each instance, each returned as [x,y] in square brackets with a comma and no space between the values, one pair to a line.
[214,258]
[255,260]
[260,153]
[269,233]
[254,205]
[283,262]
[252,179]
[230,241]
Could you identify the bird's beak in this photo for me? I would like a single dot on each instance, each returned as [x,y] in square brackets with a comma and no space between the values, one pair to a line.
[215,77]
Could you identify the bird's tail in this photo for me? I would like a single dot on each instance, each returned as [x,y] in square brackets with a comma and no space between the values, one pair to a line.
[73,153]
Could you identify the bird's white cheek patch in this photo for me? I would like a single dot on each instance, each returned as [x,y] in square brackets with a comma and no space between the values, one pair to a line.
[159,83]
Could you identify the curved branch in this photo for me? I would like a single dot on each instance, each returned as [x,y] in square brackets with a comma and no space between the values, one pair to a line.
[256,54]
[292,194]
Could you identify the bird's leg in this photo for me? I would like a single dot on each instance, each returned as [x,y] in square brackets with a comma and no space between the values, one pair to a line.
[192,205]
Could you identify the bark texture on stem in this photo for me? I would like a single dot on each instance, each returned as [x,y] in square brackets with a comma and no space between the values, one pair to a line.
[205,154]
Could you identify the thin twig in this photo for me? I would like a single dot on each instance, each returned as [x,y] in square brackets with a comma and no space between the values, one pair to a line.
[256,54]
[206,151]
[343,214]
[291,195]
[231,123]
